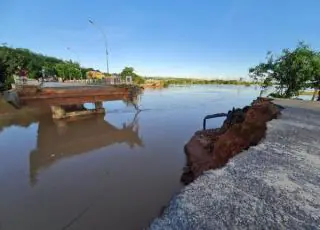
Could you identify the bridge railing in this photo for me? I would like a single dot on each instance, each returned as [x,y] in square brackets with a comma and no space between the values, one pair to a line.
[105,81]
[20,83]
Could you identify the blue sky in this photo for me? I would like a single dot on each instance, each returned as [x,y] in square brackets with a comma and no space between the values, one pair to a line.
[185,38]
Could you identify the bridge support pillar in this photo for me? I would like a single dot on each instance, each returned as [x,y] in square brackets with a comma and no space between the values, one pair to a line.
[98,105]
[58,112]
[66,111]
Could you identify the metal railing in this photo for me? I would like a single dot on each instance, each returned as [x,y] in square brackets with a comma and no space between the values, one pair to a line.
[212,116]
[19,83]
[99,81]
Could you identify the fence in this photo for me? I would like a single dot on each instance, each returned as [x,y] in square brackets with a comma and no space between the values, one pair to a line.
[105,81]
[21,82]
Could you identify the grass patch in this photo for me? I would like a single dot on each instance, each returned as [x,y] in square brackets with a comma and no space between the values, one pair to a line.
[306,93]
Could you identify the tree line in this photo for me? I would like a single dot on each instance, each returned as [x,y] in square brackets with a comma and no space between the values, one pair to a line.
[38,66]
[188,81]
[289,72]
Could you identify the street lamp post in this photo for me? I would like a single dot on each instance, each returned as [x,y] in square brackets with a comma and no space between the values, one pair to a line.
[105,42]
[72,51]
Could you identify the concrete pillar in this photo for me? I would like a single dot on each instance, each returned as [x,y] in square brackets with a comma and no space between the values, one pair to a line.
[98,105]
[61,126]
[12,97]
[58,112]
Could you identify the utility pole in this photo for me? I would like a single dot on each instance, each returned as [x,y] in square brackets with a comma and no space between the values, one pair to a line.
[105,41]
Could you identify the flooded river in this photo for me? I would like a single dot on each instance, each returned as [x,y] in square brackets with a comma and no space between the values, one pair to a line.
[115,171]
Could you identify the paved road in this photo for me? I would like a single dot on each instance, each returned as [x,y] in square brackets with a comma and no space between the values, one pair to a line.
[274,185]
[63,84]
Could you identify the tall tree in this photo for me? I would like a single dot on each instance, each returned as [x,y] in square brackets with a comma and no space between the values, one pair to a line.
[12,59]
[290,72]
[129,71]
[315,82]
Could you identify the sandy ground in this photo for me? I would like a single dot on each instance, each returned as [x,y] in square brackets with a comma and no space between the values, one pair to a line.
[274,185]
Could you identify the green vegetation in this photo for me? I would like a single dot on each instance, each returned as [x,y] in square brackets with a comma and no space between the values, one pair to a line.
[306,93]
[37,65]
[129,71]
[190,81]
[290,72]
[68,70]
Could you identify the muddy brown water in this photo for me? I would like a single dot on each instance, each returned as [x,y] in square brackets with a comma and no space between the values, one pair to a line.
[104,172]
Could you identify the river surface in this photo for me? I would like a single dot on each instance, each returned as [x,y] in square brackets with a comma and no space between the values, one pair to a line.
[115,171]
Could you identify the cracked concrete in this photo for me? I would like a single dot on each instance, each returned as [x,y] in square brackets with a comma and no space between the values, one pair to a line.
[274,185]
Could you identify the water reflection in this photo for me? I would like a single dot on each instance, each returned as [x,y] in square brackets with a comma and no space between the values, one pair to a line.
[88,162]
[134,102]
[22,121]
[59,139]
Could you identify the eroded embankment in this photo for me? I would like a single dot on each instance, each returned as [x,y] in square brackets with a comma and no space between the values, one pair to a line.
[273,185]
[210,149]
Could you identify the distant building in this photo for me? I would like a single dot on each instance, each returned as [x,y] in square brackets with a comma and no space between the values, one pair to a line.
[113,79]
[95,75]
[128,79]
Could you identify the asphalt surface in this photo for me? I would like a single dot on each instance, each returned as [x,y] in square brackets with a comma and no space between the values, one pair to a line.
[69,85]
[274,185]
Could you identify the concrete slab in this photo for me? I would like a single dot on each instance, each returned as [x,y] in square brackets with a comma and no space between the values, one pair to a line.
[309,105]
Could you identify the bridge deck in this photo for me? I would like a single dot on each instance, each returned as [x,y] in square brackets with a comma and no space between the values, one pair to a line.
[70,95]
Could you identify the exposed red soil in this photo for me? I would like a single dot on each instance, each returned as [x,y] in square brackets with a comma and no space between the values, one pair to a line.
[210,149]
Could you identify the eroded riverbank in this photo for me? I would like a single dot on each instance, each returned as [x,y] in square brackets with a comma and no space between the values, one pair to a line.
[275,184]
[210,149]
